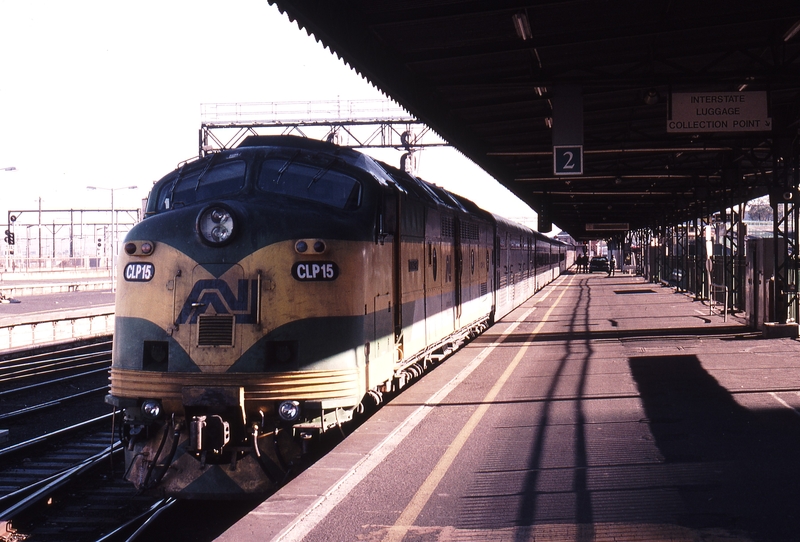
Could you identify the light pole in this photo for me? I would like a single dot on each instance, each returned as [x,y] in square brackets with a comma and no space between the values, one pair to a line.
[113,231]
[8,249]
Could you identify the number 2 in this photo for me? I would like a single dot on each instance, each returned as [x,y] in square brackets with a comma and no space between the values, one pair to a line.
[569,163]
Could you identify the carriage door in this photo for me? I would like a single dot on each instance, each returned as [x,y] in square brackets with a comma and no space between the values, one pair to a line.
[458,257]
[384,324]
[433,291]
[509,267]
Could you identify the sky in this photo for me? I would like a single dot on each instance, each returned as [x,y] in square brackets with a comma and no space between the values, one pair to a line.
[108,94]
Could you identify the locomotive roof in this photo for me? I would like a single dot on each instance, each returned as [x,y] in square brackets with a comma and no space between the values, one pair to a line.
[419,188]
[349,156]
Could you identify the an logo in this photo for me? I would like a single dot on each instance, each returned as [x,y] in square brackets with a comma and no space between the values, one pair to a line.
[217,294]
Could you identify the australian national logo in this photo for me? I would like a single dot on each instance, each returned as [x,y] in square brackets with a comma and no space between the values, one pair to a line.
[216,294]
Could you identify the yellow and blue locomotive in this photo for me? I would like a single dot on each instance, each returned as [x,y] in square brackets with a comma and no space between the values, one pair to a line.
[275,287]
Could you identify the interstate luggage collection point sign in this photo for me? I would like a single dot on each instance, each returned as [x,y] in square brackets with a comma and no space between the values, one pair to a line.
[696,112]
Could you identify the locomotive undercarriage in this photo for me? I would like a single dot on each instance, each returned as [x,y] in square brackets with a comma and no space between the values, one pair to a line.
[414,366]
[215,448]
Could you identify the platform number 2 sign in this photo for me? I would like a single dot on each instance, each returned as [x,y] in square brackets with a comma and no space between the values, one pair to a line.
[568,160]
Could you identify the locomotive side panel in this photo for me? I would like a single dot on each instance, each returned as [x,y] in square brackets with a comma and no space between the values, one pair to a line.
[437,321]
[476,301]
[510,259]
[378,284]
[412,265]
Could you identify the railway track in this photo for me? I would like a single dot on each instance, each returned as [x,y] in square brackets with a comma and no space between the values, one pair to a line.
[61,476]
[59,479]
[61,468]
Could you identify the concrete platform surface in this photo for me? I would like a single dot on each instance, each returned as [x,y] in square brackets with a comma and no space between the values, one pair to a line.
[604,408]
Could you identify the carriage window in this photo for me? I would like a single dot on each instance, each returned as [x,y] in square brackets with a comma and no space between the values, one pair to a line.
[201,184]
[310,182]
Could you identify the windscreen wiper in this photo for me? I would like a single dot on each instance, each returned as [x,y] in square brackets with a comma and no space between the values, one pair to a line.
[205,169]
[286,166]
[321,172]
[170,202]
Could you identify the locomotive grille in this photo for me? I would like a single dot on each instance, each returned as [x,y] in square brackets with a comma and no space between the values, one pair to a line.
[470,231]
[215,330]
[447,226]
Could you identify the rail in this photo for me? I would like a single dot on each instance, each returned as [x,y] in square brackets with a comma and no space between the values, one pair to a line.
[27,330]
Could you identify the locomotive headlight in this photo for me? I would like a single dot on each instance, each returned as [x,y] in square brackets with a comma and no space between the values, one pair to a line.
[289,411]
[216,225]
[151,409]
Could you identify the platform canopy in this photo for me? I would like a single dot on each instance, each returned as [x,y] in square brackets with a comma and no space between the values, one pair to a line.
[664,110]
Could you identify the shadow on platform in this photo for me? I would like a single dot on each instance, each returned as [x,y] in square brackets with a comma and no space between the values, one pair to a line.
[695,420]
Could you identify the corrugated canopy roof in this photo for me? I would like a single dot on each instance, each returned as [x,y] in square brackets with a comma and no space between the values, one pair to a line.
[484,74]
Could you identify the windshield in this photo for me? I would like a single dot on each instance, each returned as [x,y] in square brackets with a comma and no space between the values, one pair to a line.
[317,183]
[203,183]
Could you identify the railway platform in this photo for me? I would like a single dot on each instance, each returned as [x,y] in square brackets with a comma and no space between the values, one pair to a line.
[15,285]
[604,408]
[40,311]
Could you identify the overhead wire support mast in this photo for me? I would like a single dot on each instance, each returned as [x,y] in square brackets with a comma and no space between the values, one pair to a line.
[355,124]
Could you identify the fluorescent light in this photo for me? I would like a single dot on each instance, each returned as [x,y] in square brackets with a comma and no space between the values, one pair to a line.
[521,25]
[792,32]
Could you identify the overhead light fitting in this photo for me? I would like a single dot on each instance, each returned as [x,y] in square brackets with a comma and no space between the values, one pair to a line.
[651,97]
[792,32]
[522,26]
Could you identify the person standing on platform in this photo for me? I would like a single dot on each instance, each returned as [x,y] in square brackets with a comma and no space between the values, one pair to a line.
[612,264]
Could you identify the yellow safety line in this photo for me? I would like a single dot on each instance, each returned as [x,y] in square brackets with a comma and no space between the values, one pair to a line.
[423,495]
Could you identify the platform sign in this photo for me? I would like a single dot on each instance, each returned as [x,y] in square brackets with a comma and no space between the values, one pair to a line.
[568,159]
[695,112]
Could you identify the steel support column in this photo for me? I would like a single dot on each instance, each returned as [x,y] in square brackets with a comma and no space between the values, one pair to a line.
[681,256]
[783,199]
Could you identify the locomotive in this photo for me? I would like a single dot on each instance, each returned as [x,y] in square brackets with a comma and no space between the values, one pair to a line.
[274,289]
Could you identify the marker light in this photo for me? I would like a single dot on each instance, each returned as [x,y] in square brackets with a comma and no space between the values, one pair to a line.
[215,225]
[151,409]
[289,411]
[139,248]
